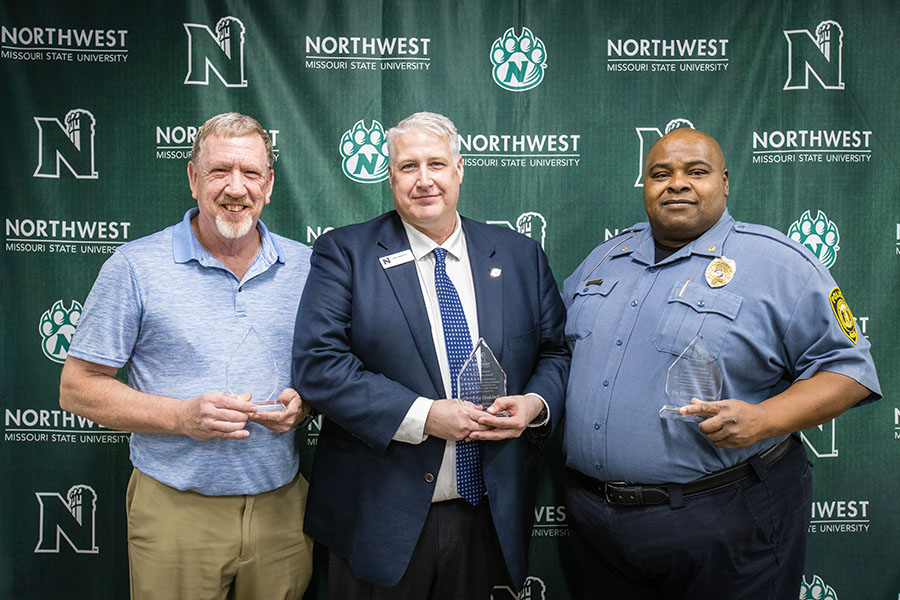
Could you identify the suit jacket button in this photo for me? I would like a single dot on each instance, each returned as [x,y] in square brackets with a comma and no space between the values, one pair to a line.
[429,478]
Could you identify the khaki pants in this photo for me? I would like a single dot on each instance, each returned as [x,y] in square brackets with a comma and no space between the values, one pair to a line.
[184,545]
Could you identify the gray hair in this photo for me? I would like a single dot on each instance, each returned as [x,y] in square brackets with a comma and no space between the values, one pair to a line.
[437,124]
[231,125]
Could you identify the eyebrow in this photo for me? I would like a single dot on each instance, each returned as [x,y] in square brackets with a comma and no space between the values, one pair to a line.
[692,163]
[402,160]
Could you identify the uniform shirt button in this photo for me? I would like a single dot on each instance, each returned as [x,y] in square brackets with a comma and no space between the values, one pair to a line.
[634,302]
[584,289]
[701,303]
[597,426]
[618,342]
[606,383]
[598,466]
[429,478]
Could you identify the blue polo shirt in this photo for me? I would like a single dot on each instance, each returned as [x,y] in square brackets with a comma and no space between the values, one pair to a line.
[629,318]
[171,312]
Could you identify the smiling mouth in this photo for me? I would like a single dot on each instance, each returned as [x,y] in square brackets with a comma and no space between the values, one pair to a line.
[233,207]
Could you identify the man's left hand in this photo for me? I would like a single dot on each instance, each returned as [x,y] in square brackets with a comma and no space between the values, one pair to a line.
[731,423]
[522,410]
[282,421]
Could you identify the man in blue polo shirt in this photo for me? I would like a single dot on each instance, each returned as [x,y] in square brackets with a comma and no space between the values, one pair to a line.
[667,507]
[215,502]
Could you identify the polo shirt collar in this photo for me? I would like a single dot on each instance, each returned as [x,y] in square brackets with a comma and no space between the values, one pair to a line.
[186,247]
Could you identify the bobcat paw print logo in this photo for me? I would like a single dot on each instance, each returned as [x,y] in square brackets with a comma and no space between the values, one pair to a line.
[57,327]
[365,153]
[816,590]
[519,61]
[820,235]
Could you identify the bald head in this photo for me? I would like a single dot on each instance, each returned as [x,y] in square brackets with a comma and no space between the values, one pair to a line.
[685,186]
[685,135]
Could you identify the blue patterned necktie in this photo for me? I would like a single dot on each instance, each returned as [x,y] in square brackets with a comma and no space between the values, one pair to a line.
[469,482]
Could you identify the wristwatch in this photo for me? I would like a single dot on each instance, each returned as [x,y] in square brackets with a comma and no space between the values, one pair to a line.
[542,416]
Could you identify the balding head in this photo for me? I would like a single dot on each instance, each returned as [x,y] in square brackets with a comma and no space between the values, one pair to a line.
[685,186]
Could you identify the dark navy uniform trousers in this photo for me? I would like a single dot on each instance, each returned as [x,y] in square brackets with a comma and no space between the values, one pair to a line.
[746,540]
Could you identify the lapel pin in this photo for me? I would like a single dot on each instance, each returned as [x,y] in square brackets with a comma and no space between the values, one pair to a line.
[495,272]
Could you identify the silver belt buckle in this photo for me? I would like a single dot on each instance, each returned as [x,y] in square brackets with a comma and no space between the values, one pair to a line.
[607,485]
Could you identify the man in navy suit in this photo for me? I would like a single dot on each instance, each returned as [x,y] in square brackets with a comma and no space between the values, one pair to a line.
[371,348]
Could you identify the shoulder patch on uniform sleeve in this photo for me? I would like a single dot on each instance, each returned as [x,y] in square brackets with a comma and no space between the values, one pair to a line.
[842,313]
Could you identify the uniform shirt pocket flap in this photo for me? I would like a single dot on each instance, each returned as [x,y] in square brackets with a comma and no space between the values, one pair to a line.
[704,300]
[595,286]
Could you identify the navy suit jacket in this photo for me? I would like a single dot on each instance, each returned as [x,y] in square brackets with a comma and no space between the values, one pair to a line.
[363,352]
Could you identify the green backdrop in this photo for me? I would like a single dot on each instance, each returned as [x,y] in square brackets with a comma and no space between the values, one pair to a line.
[556,103]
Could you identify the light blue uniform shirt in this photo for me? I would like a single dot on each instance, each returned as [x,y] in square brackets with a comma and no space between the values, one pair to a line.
[175,315]
[628,320]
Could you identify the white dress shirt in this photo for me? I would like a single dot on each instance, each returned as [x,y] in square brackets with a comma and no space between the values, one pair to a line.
[412,428]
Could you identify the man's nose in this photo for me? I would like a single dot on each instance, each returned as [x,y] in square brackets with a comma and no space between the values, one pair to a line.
[424,178]
[236,184]
[679,182]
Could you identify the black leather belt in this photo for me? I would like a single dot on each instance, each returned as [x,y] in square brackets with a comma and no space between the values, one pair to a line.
[621,493]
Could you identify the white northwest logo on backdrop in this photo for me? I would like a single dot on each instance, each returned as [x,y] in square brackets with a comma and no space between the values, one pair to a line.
[822,440]
[649,136]
[364,152]
[70,518]
[819,235]
[532,224]
[816,590]
[820,55]
[534,588]
[221,52]
[70,142]
[57,328]
[519,61]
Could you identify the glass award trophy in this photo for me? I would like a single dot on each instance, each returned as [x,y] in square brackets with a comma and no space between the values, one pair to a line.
[481,379]
[252,369]
[694,374]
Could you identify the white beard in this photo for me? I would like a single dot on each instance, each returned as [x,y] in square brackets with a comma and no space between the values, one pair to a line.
[236,231]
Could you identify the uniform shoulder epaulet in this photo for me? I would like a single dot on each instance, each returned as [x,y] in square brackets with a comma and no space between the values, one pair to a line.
[778,237]
[630,231]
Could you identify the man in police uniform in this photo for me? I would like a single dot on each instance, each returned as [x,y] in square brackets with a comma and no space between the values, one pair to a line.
[721,506]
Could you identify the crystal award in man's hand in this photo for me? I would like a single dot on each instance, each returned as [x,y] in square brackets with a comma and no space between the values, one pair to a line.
[694,374]
[481,379]
[252,369]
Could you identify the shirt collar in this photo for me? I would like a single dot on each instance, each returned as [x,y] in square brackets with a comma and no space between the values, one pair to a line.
[186,247]
[708,244]
[421,245]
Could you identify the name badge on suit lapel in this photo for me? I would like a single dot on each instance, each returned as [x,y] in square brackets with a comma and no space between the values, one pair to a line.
[398,258]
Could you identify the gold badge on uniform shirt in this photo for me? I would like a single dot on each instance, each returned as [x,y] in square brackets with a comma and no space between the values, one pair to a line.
[719,272]
[842,313]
